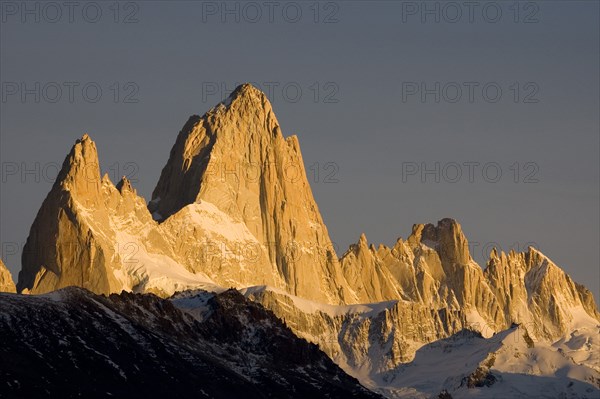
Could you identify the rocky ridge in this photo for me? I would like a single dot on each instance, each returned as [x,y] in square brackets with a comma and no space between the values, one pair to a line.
[433,267]
[73,343]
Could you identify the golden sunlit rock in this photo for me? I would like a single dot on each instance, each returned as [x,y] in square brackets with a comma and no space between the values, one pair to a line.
[6,281]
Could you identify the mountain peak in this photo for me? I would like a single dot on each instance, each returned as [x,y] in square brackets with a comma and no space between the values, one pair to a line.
[247,90]
[80,172]
[443,226]
[494,253]
[85,137]
[236,159]
[452,244]
[362,239]
[125,185]
[244,97]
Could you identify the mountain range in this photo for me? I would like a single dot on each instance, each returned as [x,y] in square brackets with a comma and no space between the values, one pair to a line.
[230,269]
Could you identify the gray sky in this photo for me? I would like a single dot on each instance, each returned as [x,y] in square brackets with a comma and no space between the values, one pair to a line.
[356,81]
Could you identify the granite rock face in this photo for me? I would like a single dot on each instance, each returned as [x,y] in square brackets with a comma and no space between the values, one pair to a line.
[6,281]
[62,248]
[534,291]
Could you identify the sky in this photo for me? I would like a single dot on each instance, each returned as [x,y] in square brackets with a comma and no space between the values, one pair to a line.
[406,112]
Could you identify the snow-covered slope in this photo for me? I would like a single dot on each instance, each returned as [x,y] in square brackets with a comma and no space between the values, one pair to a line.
[507,365]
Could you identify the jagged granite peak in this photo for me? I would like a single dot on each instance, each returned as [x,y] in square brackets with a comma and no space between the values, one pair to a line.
[362,269]
[124,185]
[6,281]
[90,234]
[80,172]
[442,251]
[189,161]
[433,267]
[236,158]
[60,250]
[448,240]
[534,291]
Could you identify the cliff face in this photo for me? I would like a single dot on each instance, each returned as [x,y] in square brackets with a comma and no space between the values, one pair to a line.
[534,291]
[6,281]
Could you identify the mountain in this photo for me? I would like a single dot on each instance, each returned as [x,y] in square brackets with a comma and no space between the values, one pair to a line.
[433,267]
[74,343]
[6,281]
[534,291]
[380,344]
[233,208]
[95,235]
[236,158]
[256,225]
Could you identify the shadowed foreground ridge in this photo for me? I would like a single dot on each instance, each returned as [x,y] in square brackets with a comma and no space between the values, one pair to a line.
[74,343]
